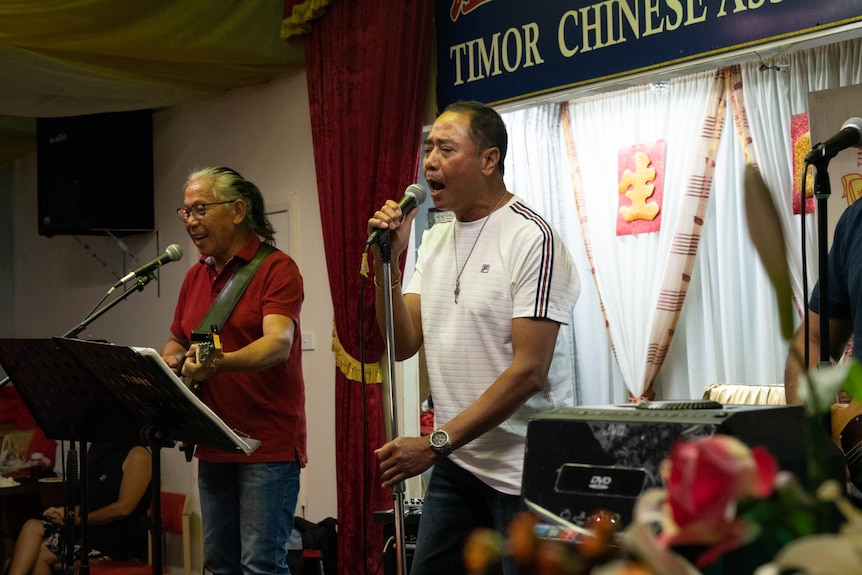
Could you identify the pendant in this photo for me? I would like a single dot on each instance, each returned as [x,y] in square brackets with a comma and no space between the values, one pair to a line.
[457,289]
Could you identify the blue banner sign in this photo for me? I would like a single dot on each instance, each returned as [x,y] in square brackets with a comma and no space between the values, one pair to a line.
[499,51]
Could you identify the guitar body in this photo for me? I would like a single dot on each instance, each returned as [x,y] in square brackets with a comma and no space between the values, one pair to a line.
[847,433]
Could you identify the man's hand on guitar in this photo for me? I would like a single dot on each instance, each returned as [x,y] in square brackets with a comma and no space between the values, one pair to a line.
[175,362]
[202,360]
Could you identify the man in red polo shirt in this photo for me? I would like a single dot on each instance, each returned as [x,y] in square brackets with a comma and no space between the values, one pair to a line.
[254,384]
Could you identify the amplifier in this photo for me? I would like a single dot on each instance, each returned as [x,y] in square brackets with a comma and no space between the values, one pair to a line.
[579,460]
[412,514]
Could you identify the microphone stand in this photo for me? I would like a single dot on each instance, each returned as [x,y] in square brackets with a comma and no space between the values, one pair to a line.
[821,194]
[397,491]
[69,515]
[142,281]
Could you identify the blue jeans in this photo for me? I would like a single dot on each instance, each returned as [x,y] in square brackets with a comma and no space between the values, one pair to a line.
[247,511]
[456,503]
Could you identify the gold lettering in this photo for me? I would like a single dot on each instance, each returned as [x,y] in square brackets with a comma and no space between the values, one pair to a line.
[561,34]
[490,61]
[471,61]
[609,26]
[531,51]
[455,53]
[481,58]
[676,7]
[638,190]
[852,187]
[651,9]
[587,27]
[692,19]
[632,17]
[511,32]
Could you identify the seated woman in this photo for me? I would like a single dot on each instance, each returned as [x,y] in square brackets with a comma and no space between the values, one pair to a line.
[118,499]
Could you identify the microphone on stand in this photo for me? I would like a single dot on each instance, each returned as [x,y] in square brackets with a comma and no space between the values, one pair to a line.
[172,254]
[850,136]
[414,196]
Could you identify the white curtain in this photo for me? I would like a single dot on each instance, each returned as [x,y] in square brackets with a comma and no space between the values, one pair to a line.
[537,170]
[728,328]
[773,96]
[630,270]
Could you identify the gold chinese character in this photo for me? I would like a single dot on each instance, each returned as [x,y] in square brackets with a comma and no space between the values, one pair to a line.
[637,188]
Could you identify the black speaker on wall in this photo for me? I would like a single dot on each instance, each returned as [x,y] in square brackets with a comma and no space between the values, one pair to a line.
[95,173]
[580,460]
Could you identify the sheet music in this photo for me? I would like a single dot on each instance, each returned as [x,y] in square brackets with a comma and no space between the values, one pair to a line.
[247,444]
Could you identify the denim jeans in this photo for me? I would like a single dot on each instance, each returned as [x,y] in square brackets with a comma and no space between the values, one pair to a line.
[456,503]
[247,511]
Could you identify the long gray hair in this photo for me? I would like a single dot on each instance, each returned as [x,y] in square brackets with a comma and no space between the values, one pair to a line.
[227,184]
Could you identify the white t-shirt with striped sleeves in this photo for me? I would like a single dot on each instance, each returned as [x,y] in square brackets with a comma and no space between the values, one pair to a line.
[519,267]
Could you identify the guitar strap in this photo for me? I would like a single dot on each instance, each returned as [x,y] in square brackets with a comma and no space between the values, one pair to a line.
[232,291]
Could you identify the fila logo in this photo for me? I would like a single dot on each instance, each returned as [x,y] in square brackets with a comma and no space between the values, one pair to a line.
[600,482]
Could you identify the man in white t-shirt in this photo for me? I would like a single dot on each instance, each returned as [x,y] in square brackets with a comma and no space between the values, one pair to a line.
[488,294]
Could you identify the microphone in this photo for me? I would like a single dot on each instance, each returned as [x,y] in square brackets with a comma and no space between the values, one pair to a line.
[850,136]
[172,254]
[414,196]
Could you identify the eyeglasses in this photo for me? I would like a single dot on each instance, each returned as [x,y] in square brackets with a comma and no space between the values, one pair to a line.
[198,210]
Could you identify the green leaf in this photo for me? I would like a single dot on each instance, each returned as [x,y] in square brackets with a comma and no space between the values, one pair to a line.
[767,235]
[853,381]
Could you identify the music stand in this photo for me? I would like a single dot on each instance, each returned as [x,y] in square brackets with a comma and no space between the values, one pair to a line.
[88,391]
[139,379]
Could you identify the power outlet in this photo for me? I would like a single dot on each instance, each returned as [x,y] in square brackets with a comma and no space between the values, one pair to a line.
[308,341]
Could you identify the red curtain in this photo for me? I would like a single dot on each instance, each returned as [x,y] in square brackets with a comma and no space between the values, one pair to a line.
[367,64]
[13,410]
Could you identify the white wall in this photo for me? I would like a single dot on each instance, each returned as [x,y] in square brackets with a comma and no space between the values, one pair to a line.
[264,133]
[5,250]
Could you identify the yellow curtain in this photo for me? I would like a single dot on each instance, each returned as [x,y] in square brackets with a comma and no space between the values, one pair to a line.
[298,14]
[135,54]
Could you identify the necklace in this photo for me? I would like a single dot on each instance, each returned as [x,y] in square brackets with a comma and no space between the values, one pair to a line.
[460,271]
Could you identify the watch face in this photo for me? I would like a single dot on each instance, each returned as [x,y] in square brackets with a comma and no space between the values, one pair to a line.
[439,438]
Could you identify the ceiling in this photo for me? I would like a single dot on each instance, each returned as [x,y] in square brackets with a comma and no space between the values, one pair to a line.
[73,57]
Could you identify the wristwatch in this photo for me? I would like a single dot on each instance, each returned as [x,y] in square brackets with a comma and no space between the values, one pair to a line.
[440,442]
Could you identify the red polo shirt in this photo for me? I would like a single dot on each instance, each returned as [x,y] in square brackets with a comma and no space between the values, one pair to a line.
[267,405]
